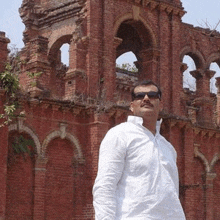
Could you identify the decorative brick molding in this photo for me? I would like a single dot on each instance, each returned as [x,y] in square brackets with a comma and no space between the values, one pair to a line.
[209,166]
[63,134]
[20,127]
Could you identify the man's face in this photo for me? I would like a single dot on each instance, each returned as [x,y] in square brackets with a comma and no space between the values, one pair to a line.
[144,106]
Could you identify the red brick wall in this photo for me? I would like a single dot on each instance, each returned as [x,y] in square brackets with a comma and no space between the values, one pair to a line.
[68,115]
[60,185]
[20,183]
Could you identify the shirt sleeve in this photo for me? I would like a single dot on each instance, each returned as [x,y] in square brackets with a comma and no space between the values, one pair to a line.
[110,167]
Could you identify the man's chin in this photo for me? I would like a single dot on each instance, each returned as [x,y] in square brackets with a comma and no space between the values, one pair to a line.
[147,112]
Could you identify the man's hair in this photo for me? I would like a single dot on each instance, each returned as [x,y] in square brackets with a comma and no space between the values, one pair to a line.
[144,83]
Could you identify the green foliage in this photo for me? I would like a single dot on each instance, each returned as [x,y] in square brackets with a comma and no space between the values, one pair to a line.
[127,66]
[10,83]
[21,145]
[34,75]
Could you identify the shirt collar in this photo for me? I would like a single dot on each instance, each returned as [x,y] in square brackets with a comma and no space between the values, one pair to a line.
[139,121]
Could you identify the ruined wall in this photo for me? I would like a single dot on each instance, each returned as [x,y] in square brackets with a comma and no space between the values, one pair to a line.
[68,109]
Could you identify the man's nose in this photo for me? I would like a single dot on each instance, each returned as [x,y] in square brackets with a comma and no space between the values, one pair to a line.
[146,97]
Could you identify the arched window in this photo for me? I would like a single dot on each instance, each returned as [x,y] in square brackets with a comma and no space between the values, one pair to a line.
[189,81]
[65,54]
[214,66]
[59,55]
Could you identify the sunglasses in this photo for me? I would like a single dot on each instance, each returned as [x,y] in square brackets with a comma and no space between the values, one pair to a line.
[151,95]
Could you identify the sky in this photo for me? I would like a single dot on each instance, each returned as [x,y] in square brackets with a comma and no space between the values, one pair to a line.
[199,13]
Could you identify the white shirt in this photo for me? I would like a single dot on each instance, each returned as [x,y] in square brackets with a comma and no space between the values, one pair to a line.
[137,175]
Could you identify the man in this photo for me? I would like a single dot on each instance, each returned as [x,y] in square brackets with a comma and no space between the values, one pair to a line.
[137,173]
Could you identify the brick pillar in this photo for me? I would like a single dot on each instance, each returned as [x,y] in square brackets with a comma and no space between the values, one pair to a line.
[190,199]
[164,62]
[218,100]
[35,75]
[95,46]
[3,50]
[39,193]
[97,130]
[76,77]
[192,114]
[209,196]
[176,75]
[3,130]
[149,64]
[202,81]
[3,159]
[109,52]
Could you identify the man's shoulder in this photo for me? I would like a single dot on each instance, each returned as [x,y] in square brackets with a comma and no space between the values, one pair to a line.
[120,127]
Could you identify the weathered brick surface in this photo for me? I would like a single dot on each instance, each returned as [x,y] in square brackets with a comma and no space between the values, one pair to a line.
[68,110]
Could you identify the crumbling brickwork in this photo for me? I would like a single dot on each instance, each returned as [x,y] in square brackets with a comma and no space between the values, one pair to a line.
[68,110]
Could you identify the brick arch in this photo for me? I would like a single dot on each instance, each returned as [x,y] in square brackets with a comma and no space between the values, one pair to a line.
[56,45]
[209,166]
[130,16]
[20,127]
[63,135]
[214,57]
[195,55]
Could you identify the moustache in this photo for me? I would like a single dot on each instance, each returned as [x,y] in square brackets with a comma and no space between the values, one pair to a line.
[148,103]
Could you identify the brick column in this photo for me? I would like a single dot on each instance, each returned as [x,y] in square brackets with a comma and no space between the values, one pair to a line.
[148,67]
[35,73]
[76,77]
[202,81]
[189,190]
[3,159]
[97,130]
[218,100]
[176,75]
[209,195]
[39,193]
[3,50]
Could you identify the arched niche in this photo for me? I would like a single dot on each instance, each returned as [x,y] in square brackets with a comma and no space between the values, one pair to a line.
[21,128]
[20,174]
[60,180]
[64,135]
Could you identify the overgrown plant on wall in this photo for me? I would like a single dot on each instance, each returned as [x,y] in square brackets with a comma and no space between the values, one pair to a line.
[20,146]
[9,82]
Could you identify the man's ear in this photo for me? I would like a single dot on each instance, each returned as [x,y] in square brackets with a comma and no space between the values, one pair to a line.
[161,106]
[131,106]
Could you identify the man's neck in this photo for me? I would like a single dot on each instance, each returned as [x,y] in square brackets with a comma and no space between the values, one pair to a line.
[150,124]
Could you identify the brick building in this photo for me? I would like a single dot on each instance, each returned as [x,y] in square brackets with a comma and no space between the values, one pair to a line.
[68,110]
